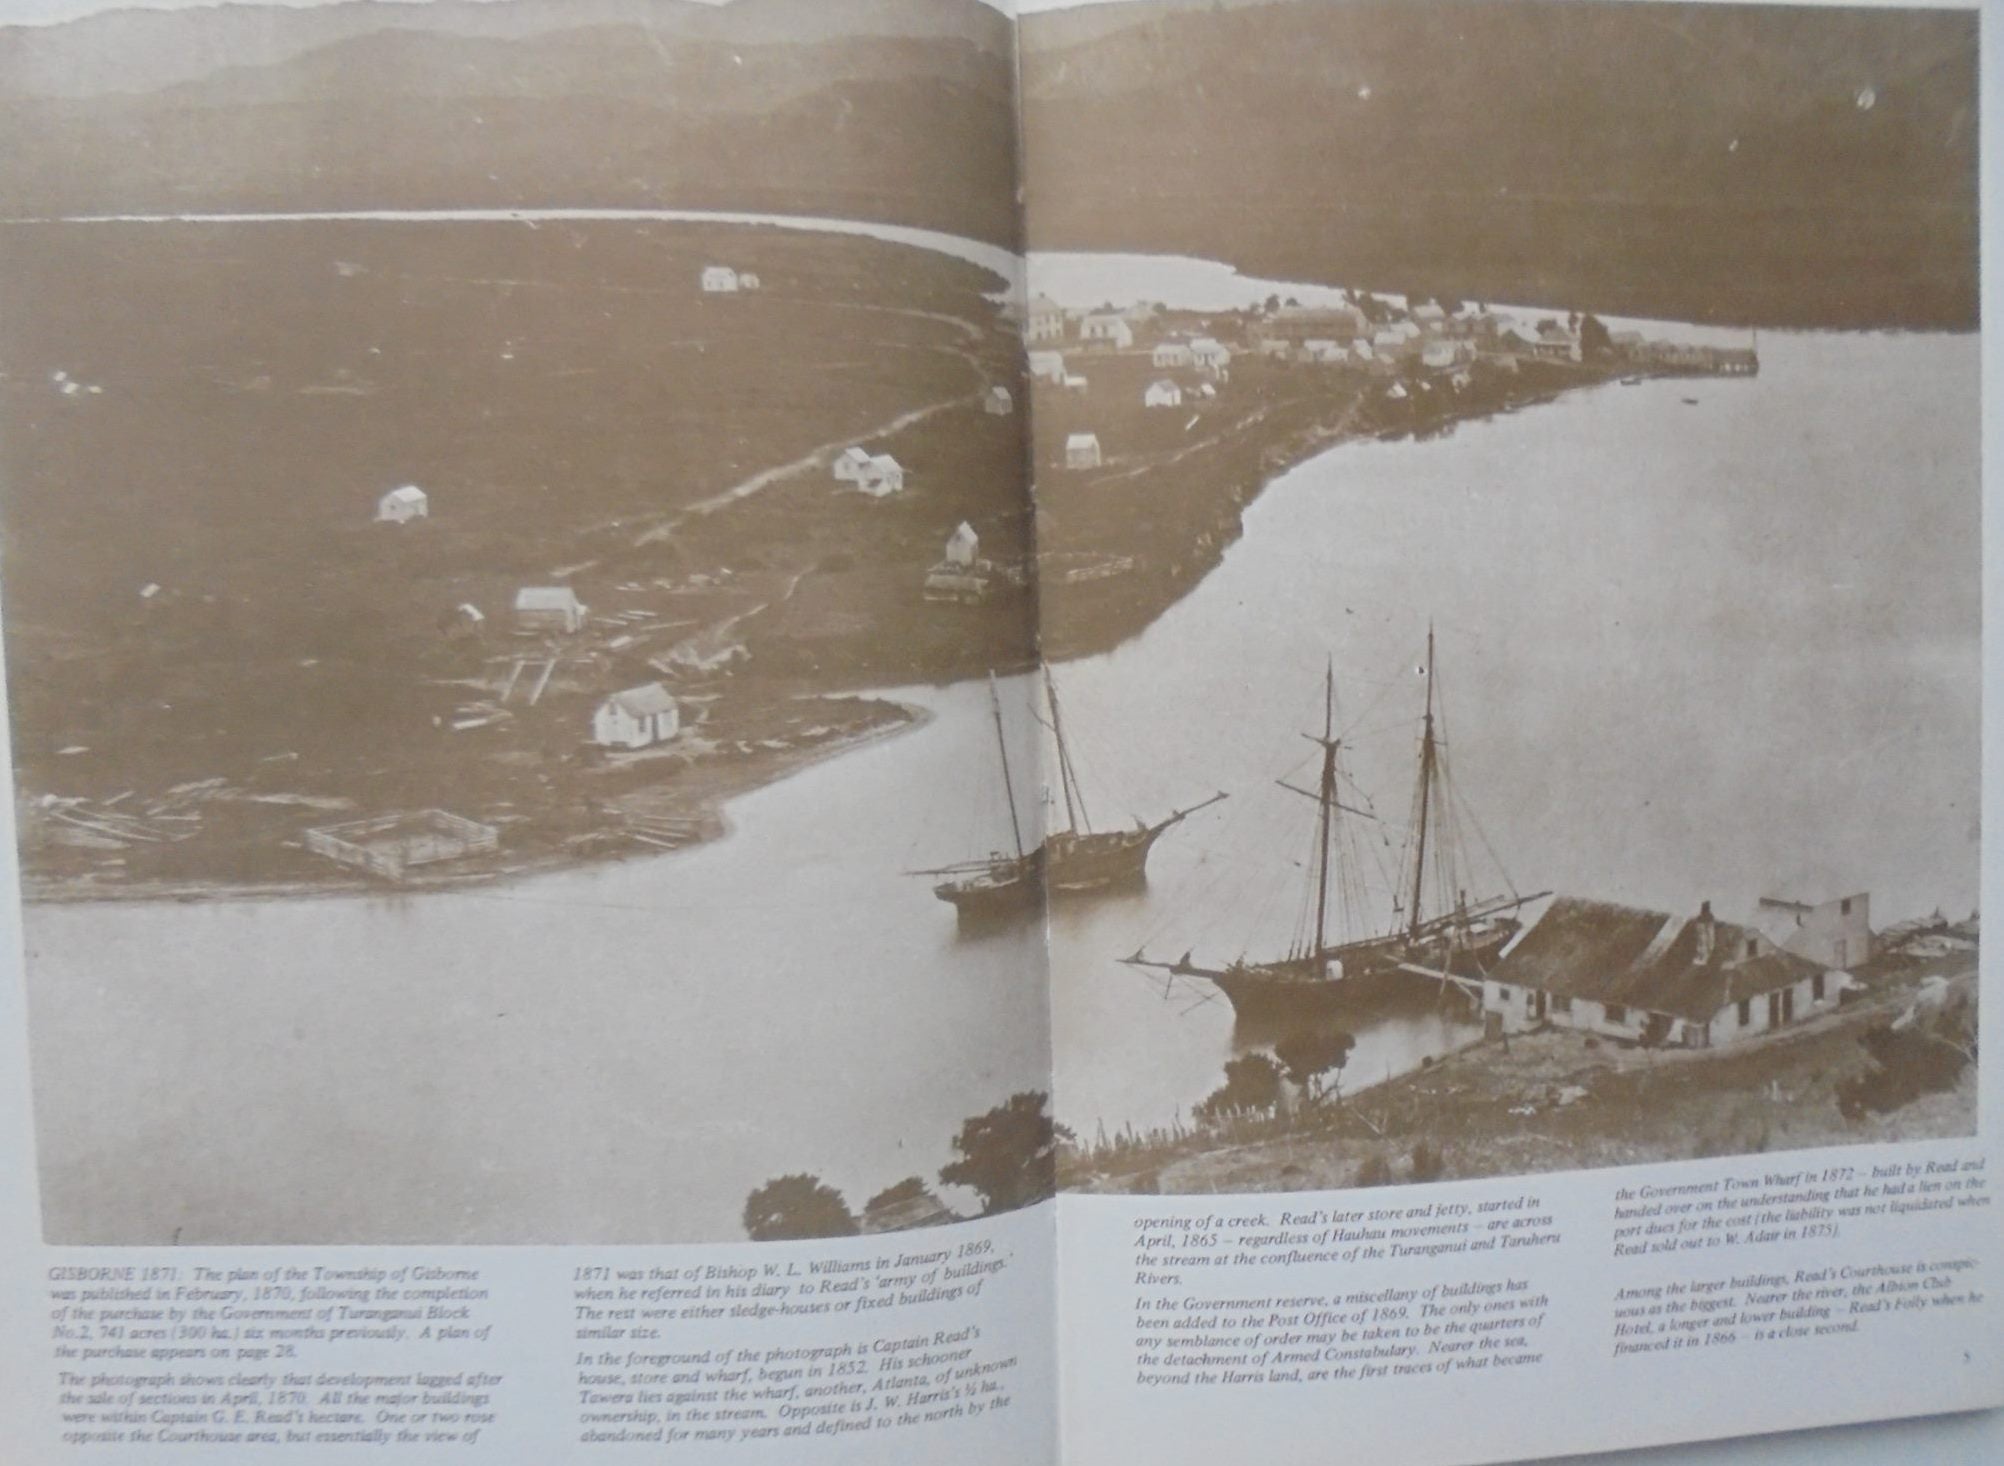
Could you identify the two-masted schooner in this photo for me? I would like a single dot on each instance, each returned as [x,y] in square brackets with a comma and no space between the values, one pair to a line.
[1435,931]
[1075,860]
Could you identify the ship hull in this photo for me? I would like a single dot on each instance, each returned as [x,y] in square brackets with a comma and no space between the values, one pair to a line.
[1079,864]
[1280,996]
[1069,865]
[1004,892]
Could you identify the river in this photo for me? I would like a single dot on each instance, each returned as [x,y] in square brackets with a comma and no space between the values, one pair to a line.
[1705,651]
[1687,652]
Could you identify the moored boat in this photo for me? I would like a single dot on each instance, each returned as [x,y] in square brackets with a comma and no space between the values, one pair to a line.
[1323,976]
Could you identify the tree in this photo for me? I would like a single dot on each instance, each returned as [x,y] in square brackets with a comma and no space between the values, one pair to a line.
[1009,1155]
[1252,1086]
[797,1206]
[1272,304]
[909,1189]
[1594,337]
[1308,1056]
[1428,1163]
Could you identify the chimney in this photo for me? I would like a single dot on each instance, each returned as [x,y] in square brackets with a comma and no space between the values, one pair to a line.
[1707,934]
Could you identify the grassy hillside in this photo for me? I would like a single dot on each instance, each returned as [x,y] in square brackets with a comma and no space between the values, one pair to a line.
[196,424]
[865,111]
[1774,165]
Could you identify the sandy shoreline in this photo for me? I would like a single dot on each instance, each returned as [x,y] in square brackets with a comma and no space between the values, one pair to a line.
[711,805]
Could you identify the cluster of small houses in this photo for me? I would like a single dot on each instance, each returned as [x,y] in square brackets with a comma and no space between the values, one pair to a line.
[638,717]
[1698,982]
[1423,340]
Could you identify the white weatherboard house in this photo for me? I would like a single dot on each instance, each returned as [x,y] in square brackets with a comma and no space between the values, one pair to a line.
[881,477]
[636,718]
[1162,394]
[401,506]
[1107,330]
[1048,366]
[849,465]
[1046,322]
[720,280]
[1173,354]
[963,546]
[1210,355]
[1082,451]
[1657,979]
[997,402]
[549,608]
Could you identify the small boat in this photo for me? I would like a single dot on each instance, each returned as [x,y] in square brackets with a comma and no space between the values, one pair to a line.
[1690,402]
[1631,381]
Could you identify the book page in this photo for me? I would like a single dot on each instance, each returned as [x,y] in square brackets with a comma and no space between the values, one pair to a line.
[518,617]
[1528,456]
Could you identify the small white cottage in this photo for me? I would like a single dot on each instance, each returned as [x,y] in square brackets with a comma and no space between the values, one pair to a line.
[401,506]
[549,608]
[849,465]
[1172,354]
[881,477]
[720,280]
[1048,366]
[963,546]
[1046,321]
[1164,393]
[747,280]
[1209,355]
[1107,330]
[636,718]
[998,402]
[1082,451]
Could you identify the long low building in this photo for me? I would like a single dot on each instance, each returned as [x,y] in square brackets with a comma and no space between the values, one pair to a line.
[1650,977]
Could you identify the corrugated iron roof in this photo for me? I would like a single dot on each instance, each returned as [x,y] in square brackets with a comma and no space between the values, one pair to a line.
[1646,959]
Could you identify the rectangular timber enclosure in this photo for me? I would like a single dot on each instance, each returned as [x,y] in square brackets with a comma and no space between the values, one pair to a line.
[388,845]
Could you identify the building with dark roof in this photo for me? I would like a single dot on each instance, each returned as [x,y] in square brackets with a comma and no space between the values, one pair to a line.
[1649,977]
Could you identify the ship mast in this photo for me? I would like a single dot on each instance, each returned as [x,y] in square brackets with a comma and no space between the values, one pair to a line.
[1326,798]
[1008,786]
[1426,776]
[1076,817]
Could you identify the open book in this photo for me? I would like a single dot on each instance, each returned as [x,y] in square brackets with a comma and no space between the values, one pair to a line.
[870,730]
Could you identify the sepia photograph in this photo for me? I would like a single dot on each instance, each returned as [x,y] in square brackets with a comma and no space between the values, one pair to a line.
[1549,440]
[644,621]
[515,551]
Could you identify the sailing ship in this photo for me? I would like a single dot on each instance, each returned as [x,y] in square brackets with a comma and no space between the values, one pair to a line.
[1448,941]
[1072,861]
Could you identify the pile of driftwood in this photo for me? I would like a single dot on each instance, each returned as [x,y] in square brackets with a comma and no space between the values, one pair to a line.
[122,821]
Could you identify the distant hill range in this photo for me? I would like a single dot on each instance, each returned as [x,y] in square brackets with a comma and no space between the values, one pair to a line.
[1771,165]
[898,110]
